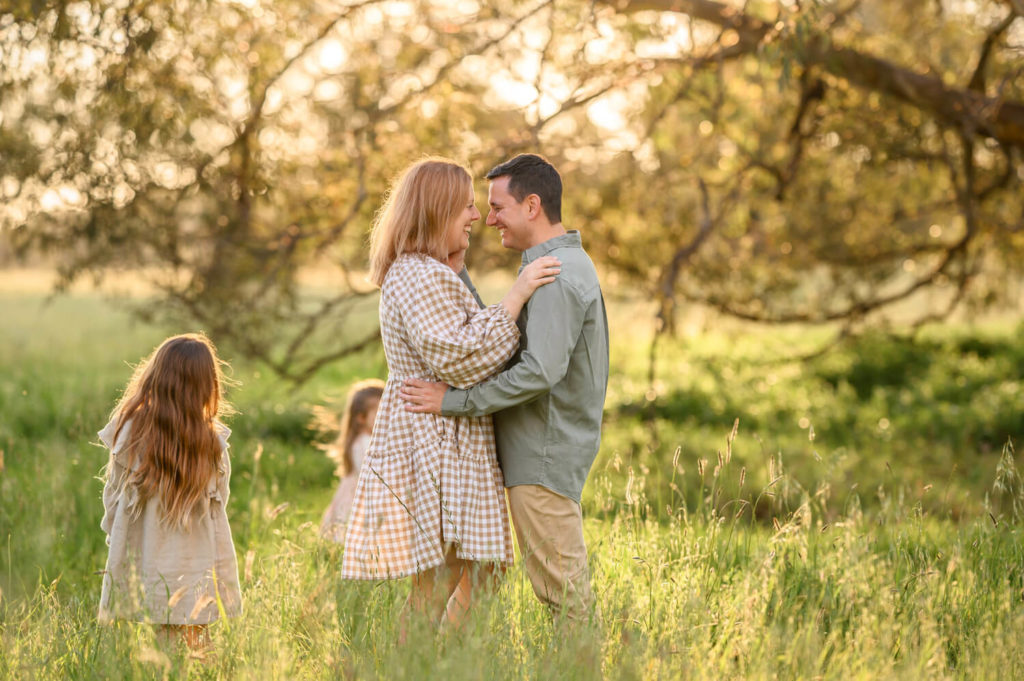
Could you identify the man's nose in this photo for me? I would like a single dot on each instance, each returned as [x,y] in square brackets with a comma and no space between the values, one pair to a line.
[491,219]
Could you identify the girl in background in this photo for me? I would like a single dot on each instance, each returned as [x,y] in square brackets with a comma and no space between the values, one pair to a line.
[171,559]
[347,452]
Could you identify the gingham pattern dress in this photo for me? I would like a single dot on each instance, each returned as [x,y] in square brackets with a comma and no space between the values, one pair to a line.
[428,480]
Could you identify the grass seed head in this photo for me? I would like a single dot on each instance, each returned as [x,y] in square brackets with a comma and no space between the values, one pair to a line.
[201,604]
[177,596]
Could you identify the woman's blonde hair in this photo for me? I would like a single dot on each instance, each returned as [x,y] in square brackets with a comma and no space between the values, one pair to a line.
[173,401]
[363,396]
[419,207]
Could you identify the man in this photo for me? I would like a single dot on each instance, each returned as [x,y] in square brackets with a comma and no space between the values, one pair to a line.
[548,402]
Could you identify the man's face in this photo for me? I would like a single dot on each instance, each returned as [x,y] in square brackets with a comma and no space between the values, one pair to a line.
[508,216]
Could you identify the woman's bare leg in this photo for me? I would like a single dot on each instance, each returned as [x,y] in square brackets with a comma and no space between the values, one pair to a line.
[430,592]
[418,603]
[459,601]
[473,578]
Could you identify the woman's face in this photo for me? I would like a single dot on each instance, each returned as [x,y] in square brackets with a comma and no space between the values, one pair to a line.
[459,229]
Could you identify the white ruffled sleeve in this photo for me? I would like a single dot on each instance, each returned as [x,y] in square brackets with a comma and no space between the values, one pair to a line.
[115,474]
[224,468]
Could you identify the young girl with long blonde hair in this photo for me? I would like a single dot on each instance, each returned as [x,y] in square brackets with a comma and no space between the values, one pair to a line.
[347,452]
[171,559]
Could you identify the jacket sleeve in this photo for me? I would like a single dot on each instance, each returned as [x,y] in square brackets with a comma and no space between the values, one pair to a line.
[461,347]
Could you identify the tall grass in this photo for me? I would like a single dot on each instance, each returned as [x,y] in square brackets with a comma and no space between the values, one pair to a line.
[719,550]
[708,594]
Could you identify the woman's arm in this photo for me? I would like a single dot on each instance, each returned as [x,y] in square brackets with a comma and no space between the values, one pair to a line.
[458,343]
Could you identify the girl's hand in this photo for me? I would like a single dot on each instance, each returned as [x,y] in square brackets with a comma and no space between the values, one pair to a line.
[541,271]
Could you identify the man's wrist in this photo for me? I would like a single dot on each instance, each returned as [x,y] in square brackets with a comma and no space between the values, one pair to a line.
[454,401]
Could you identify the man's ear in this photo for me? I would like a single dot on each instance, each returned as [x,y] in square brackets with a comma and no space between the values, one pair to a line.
[533,207]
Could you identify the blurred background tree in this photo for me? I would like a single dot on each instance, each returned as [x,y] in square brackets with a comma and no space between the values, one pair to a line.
[822,161]
[778,161]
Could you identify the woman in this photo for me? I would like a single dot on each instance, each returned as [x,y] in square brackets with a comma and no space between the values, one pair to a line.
[430,499]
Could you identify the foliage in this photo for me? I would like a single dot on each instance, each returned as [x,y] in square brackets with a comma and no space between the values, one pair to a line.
[926,416]
[226,147]
[781,161]
[793,188]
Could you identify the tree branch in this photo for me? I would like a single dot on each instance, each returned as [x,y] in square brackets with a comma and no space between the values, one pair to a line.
[977,82]
[666,313]
[963,109]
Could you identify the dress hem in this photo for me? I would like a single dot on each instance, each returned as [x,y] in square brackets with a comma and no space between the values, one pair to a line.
[410,573]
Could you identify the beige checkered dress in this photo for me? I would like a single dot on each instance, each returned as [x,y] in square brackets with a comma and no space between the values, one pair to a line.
[431,480]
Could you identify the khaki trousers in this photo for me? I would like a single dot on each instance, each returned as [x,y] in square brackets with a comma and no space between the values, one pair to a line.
[549,529]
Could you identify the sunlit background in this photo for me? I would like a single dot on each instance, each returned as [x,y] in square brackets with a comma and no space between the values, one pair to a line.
[808,221]
[774,161]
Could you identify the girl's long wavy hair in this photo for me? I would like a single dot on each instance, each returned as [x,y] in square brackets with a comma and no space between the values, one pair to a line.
[420,206]
[174,401]
[361,399]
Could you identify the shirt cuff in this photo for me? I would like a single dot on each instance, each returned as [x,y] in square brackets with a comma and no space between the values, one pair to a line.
[454,402]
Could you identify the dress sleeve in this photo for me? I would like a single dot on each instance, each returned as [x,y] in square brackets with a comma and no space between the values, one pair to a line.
[111,494]
[224,469]
[115,473]
[460,347]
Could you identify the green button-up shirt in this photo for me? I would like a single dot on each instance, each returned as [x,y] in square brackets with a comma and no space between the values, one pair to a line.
[548,402]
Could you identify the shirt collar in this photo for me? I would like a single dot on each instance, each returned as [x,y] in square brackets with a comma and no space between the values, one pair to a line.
[571,239]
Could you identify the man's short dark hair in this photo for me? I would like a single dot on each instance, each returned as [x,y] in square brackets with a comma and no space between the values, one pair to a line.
[532,174]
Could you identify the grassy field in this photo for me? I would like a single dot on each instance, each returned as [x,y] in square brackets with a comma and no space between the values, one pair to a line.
[863,521]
